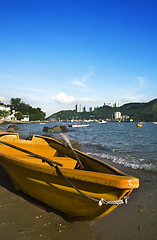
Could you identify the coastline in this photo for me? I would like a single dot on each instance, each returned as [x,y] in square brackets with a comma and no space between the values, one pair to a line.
[24,218]
[3,122]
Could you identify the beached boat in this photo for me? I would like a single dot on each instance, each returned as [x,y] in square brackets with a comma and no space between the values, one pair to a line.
[77,125]
[82,187]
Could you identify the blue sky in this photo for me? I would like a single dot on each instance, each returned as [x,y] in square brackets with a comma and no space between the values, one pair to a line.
[56,53]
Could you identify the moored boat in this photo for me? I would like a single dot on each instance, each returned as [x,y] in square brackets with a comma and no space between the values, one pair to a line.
[78,125]
[139,125]
[48,171]
[102,121]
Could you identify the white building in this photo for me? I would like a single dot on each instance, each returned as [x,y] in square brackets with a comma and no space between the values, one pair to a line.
[11,116]
[91,109]
[25,118]
[108,104]
[111,104]
[3,108]
[85,109]
[78,107]
[117,116]
[117,104]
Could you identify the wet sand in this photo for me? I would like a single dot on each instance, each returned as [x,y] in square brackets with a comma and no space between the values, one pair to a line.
[23,218]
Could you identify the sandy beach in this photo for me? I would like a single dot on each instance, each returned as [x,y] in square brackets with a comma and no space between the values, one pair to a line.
[23,218]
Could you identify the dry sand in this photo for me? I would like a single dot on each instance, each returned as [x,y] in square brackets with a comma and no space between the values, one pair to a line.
[23,218]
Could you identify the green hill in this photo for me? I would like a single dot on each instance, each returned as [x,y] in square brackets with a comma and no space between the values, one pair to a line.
[136,111]
[141,111]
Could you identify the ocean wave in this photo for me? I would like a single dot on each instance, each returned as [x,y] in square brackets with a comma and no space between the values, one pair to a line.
[98,146]
[126,161]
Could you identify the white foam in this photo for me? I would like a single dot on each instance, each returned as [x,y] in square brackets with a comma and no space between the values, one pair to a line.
[131,162]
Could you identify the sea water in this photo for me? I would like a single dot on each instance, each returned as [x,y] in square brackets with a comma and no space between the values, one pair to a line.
[123,143]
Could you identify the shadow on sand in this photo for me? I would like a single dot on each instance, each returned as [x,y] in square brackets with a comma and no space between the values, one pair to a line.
[6,183]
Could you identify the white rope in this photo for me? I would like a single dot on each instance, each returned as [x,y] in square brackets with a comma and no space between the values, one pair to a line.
[101,201]
[114,202]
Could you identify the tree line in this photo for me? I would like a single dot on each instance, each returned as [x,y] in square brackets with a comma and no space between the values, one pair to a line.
[22,109]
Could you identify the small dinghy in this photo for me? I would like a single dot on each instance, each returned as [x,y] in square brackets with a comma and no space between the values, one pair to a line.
[80,186]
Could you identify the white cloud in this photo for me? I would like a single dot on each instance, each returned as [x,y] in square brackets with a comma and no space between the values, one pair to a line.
[3,99]
[63,98]
[86,76]
[141,81]
[81,82]
[135,89]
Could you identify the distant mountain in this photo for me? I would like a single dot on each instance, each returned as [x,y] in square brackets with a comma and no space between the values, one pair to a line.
[141,111]
[136,111]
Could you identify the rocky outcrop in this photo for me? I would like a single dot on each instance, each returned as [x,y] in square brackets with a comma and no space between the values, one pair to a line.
[74,144]
[64,129]
[55,129]
[12,128]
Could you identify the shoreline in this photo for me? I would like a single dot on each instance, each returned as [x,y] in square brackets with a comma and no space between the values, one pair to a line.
[25,218]
[3,122]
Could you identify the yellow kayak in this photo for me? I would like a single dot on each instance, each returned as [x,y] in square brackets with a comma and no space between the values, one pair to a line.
[82,187]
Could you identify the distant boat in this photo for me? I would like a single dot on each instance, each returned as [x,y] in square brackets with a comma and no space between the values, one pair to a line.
[155,122]
[102,121]
[139,125]
[77,125]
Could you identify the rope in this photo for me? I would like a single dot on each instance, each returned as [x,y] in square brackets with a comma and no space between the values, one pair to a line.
[44,159]
[51,162]
[101,201]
